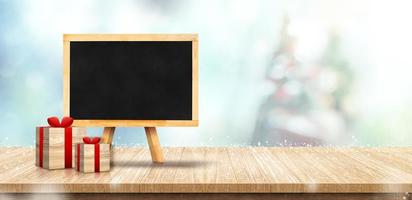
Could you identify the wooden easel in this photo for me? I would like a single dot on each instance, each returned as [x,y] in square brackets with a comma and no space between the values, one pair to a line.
[152,140]
[150,125]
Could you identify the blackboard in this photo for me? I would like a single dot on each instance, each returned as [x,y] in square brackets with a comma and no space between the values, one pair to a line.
[131,80]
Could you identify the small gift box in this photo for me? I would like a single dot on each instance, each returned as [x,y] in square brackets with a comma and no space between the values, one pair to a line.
[55,143]
[92,156]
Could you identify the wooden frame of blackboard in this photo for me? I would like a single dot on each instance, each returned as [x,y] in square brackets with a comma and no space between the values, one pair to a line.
[67,38]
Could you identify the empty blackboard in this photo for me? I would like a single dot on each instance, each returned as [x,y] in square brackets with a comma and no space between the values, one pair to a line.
[131,80]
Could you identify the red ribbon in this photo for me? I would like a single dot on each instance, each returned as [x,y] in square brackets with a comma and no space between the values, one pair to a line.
[91,140]
[97,157]
[68,145]
[54,122]
[65,123]
[78,157]
[95,141]
[41,141]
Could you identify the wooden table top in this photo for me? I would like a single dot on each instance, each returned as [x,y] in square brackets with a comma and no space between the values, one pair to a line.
[231,169]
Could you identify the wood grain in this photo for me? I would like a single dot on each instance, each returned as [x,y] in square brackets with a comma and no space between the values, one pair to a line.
[67,38]
[208,196]
[108,133]
[221,170]
[154,144]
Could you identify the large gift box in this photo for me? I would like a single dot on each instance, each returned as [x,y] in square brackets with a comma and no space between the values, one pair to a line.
[55,144]
[92,156]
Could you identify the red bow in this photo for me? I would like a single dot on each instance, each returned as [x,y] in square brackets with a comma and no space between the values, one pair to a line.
[54,122]
[91,140]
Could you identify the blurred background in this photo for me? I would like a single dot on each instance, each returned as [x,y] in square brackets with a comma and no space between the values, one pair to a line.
[272,73]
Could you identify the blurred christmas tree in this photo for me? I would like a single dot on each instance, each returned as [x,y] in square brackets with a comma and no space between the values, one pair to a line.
[306,106]
[333,60]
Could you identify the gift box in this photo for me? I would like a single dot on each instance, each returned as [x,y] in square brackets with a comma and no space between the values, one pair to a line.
[55,144]
[92,156]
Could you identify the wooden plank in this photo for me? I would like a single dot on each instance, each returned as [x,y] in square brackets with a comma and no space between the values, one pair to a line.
[160,178]
[225,172]
[207,196]
[221,170]
[10,153]
[272,167]
[209,169]
[351,171]
[129,166]
[190,171]
[244,177]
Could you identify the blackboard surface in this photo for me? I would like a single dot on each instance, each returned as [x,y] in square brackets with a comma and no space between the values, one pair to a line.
[131,80]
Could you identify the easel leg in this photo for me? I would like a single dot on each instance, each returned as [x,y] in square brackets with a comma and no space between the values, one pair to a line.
[108,133]
[154,145]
